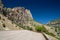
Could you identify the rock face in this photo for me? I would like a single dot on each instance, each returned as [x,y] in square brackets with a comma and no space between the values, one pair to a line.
[18,15]
[6,24]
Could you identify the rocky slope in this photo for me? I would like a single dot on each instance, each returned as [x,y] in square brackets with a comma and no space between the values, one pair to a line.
[6,24]
[18,15]
[55,25]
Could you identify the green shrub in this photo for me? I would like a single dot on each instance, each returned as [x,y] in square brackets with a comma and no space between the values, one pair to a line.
[43,29]
[55,29]
[59,28]
[58,38]
[29,28]
[21,25]
[5,11]
[40,29]
[50,34]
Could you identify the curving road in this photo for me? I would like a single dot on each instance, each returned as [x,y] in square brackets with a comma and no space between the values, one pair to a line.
[20,35]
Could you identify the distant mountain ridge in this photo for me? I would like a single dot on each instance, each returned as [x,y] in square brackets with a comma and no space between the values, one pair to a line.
[55,23]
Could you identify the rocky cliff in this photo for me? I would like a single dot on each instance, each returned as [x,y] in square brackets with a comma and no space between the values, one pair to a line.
[6,24]
[20,16]
[17,15]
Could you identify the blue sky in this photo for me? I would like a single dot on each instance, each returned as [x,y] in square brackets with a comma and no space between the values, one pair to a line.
[43,11]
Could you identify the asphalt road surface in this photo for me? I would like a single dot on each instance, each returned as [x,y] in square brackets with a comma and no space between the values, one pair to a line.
[20,35]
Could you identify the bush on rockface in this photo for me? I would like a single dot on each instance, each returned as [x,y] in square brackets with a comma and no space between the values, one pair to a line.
[29,28]
[40,29]
[43,29]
